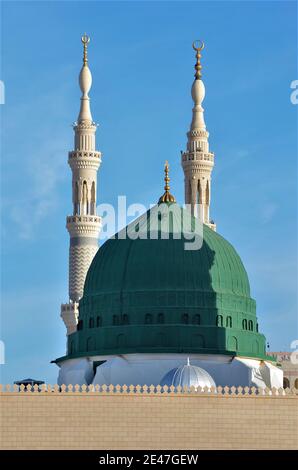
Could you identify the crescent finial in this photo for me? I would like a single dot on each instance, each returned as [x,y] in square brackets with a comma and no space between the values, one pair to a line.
[198,46]
[85,40]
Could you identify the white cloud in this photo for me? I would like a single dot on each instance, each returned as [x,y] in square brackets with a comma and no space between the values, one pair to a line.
[268,211]
[34,192]
[46,170]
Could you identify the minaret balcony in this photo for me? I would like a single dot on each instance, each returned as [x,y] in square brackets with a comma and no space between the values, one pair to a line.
[198,156]
[83,225]
[78,159]
[70,314]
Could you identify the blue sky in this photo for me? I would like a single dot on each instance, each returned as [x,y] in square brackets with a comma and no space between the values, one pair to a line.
[142,65]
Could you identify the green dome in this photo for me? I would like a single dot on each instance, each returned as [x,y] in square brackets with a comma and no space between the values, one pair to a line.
[147,295]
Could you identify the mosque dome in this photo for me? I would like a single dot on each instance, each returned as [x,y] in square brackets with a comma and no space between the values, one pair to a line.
[146,294]
[188,376]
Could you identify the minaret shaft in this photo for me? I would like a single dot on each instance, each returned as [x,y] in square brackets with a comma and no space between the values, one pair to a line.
[197,161]
[84,224]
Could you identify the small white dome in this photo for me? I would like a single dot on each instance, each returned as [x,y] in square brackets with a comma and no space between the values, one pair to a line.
[188,376]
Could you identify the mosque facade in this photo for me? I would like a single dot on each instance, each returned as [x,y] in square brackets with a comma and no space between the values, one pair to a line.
[145,308]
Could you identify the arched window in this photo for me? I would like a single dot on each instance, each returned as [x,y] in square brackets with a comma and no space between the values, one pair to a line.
[232,343]
[161,339]
[90,344]
[244,324]
[198,341]
[148,318]
[296,383]
[171,221]
[115,320]
[286,383]
[80,325]
[189,190]
[76,200]
[160,318]
[250,325]
[72,347]
[257,328]
[120,340]
[125,319]
[207,193]
[255,347]
[199,193]
[84,210]
[196,319]
[93,209]
[98,321]
[91,322]
[219,320]
[184,318]
[229,322]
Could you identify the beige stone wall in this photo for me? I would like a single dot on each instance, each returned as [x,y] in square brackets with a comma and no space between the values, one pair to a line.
[111,420]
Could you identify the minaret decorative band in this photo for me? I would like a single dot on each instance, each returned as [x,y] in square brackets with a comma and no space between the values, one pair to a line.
[84,224]
[197,161]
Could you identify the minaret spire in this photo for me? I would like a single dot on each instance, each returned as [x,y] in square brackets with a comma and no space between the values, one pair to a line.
[85,81]
[84,224]
[167,196]
[197,161]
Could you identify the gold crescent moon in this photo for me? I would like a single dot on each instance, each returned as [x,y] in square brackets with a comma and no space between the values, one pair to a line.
[85,39]
[200,48]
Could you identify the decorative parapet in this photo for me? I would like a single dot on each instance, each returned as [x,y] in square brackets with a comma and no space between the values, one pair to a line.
[152,390]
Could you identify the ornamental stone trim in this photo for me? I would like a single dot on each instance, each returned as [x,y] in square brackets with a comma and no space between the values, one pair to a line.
[85,125]
[197,156]
[83,219]
[84,154]
[83,159]
[198,133]
[217,392]
[83,225]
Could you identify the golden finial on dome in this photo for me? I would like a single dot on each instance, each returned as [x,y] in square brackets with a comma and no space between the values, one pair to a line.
[167,196]
[198,46]
[85,40]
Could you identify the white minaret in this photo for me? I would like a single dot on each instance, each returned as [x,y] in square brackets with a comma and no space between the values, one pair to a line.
[197,161]
[84,225]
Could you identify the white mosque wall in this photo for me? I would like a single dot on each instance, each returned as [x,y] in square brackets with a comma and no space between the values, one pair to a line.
[141,369]
[76,371]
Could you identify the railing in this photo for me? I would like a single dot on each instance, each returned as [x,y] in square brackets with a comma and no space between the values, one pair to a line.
[197,156]
[151,390]
[70,307]
[84,154]
[83,218]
